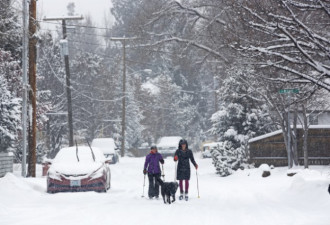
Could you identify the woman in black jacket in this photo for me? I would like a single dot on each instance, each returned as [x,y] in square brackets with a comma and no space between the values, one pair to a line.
[182,155]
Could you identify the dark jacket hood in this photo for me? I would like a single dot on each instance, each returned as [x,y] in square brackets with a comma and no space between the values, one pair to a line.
[181,142]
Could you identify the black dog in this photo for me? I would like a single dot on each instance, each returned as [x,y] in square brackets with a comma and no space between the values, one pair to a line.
[168,189]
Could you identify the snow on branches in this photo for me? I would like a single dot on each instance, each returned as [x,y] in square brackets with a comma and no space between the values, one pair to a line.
[9,103]
[292,38]
[239,118]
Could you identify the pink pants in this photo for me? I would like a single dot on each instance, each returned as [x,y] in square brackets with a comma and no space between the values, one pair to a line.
[186,185]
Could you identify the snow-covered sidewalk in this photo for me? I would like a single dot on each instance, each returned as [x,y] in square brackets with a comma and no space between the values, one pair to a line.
[243,198]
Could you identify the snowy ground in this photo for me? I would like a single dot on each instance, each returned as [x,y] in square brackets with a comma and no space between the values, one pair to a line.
[243,198]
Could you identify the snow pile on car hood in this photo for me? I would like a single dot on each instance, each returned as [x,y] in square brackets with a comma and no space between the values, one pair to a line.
[66,160]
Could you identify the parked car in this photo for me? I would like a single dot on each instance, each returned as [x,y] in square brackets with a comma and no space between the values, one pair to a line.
[79,168]
[206,149]
[108,147]
[168,145]
[143,150]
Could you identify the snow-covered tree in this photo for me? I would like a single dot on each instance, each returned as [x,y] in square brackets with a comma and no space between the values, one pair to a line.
[9,102]
[10,29]
[51,97]
[239,118]
[134,113]
[291,36]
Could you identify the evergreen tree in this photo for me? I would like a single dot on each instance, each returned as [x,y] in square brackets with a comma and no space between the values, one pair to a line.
[10,29]
[134,116]
[239,118]
[9,104]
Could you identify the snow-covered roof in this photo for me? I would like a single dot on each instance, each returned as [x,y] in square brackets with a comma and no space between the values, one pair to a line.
[280,131]
[107,145]
[169,141]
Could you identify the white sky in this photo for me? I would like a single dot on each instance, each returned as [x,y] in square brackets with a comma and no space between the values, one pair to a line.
[97,9]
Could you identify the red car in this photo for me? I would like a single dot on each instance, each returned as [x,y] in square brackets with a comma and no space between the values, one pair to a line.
[79,168]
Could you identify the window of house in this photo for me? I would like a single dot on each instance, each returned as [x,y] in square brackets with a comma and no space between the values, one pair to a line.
[313,119]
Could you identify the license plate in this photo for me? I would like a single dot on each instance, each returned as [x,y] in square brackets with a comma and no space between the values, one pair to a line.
[75,183]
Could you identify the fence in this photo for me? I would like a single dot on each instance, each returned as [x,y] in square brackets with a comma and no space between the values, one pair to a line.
[271,148]
[6,163]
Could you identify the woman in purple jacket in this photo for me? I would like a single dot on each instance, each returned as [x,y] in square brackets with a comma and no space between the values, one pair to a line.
[151,166]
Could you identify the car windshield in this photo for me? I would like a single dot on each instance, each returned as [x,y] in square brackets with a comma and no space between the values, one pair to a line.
[68,155]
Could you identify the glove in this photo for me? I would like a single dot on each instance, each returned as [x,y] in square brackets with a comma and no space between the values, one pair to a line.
[144,171]
[161,161]
[196,166]
[176,158]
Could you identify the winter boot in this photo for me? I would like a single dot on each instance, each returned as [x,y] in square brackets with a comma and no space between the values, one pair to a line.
[186,196]
[181,196]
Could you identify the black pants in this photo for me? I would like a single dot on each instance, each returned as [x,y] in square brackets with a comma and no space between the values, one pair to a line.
[153,185]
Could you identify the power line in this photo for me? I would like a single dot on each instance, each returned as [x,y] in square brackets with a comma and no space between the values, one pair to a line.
[60,80]
[89,34]
[76,25]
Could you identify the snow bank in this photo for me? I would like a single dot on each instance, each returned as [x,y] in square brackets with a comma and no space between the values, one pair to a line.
[244,198]
[310,181]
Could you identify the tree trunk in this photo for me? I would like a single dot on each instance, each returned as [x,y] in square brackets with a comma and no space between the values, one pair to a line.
[284,126]
[305,143]
[295,136]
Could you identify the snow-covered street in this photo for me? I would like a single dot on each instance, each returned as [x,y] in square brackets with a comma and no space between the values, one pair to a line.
[243,198]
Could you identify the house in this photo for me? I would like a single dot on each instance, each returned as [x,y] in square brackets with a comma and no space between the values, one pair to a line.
[270,148]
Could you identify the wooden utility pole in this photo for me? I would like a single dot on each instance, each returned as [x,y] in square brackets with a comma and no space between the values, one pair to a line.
[32,159]
[123,121]
[25,84]
[67,71]
[68,87]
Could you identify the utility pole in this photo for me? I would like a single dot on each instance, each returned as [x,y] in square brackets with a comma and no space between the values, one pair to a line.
[67,71]
[33,88]
[123,121]
[25,85]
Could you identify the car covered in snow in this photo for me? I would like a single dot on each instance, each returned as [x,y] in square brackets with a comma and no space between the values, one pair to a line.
[79,168]
[108,147]
[207,147]
[168,145]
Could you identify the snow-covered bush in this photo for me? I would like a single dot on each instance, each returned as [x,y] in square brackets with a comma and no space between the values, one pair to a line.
[227,158]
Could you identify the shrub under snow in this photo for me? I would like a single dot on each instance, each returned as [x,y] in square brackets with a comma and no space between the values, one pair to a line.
[227,159]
